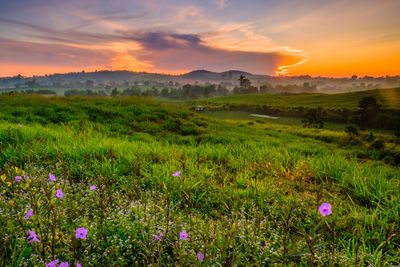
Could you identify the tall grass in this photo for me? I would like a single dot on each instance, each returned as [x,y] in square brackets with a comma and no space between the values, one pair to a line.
[246,195]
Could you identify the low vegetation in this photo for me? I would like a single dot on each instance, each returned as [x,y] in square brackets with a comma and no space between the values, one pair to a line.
[126,181]
[368,109]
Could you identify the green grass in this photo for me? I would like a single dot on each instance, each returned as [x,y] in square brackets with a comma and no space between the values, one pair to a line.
[293,121]
[245,115]
[388,98]
[247,196]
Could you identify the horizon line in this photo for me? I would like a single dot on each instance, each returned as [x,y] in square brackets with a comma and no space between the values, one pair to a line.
[183,73]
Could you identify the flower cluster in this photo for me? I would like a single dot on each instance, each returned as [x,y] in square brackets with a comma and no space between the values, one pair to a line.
[33,236]
[80,233]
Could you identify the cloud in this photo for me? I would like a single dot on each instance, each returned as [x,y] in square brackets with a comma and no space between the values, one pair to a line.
[143,50]
[221,3]
[169,51]
[22,52]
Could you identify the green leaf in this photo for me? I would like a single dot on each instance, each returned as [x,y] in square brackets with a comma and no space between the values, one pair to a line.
[315,229]
[196,184]
[175,205]
[299,254]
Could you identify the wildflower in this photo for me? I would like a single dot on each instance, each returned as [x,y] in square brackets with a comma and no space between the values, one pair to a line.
[80,233]
[33,235]
[29,214]
[325,209]
[20,125]
[178,173]
[183,235]
[52,263]
[18,178]
[93,187]
[63,264]
[59,193]
[157,237]
[52,177]
[26,177]
[200,256]
[78,265]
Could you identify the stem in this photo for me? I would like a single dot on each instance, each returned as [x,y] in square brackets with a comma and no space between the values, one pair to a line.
[309,245]
[165,233]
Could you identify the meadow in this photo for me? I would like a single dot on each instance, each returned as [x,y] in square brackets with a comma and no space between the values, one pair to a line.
[388,98]
[127,181]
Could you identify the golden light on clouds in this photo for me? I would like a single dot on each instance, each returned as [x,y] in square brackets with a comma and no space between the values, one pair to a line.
[282,38]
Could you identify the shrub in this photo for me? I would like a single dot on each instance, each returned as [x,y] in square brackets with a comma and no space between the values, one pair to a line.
[189,129]
[378,145]
[351,130]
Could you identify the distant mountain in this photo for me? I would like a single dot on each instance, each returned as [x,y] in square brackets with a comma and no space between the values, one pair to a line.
[236,73]
[205,75]
[201,75]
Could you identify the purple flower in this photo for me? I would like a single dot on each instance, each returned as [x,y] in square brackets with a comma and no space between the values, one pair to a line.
[93,187]
[183,235]
[178,173]
[26,177]
[52,177]
[81,233]
[18,178]
[33,235]
[325,209]
[52,263]
[200,256]
[63,264]
[59,193]
[20,125]
[78,265]
[157,237]
[29,214]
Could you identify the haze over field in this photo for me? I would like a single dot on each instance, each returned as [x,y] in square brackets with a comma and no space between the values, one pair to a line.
[327,38]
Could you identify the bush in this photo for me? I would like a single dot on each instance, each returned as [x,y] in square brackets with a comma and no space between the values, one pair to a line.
[397,129]
[350,140]
[378,145]
[351,130]
[189,129]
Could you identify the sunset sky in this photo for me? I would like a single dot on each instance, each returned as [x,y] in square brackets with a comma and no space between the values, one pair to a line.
[316,37]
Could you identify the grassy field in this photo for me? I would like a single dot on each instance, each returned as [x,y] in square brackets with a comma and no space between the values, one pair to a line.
[247,194]
[293,121]
[58,91]
[388,98]
[245,115]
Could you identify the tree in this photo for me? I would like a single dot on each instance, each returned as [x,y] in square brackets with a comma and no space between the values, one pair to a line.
[351,130]
[314,118]
[244,82]
[89,84]
[33,83]
[114,92]
[397,129]
[369,109]
[368,102]
[266,89]
[164,92]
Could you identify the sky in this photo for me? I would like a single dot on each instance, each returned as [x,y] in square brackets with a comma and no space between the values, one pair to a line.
[335,38]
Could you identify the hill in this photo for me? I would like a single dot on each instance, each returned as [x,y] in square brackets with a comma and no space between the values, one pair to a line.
[388,98]
[204,75]
[338,108]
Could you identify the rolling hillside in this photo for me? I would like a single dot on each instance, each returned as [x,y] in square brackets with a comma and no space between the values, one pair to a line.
[388,98]
[128,182]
